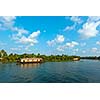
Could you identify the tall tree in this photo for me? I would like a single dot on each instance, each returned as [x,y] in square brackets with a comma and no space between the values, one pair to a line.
[3,53]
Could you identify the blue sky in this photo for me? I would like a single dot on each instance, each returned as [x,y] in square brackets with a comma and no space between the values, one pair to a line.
[71,35]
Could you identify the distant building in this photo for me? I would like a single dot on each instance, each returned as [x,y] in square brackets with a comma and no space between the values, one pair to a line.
[76,59]
[31,60]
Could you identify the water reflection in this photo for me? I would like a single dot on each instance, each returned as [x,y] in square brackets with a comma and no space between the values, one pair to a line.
[29,65]
[84,71]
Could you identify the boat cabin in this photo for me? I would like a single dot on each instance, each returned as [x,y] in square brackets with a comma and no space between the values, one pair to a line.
[31,60]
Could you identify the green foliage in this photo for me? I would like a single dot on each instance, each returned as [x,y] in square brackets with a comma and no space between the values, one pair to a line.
[4,57]
[91,57]
[3,53]
[52,58]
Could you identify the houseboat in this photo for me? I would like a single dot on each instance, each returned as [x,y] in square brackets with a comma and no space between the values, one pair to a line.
[31,60]
[76,59]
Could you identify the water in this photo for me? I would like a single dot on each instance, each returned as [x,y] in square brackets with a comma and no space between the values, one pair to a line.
[83,71]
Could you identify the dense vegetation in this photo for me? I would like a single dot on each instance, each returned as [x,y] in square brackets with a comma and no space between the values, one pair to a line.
[4,57]
[91,57]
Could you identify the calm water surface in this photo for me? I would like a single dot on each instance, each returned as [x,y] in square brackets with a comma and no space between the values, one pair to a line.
[83,71]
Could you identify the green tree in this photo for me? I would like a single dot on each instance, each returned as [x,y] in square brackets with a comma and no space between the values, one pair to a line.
[38,55]
[3,53]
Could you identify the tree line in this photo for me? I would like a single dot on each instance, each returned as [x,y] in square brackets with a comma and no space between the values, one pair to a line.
[4,57]
[91,57]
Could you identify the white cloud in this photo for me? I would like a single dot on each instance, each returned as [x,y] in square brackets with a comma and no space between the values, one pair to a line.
[89,29]
[7,22]
[51,43]
[98,42]
[61,48]
[8,18]
[70,27]
[31,39]
[18,34]
[58,39]
[72,44]
[20,48]
[93,18]
[68,45]
[76,19]
[34,34]
[94,50]
[20,31]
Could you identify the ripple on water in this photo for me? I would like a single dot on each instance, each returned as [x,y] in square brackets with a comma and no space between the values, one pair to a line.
[52,72]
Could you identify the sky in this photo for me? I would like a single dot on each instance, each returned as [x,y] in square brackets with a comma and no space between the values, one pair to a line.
[70,35]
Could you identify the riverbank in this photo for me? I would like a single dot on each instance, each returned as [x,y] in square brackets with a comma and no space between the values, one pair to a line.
[45,60]
[5,57]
